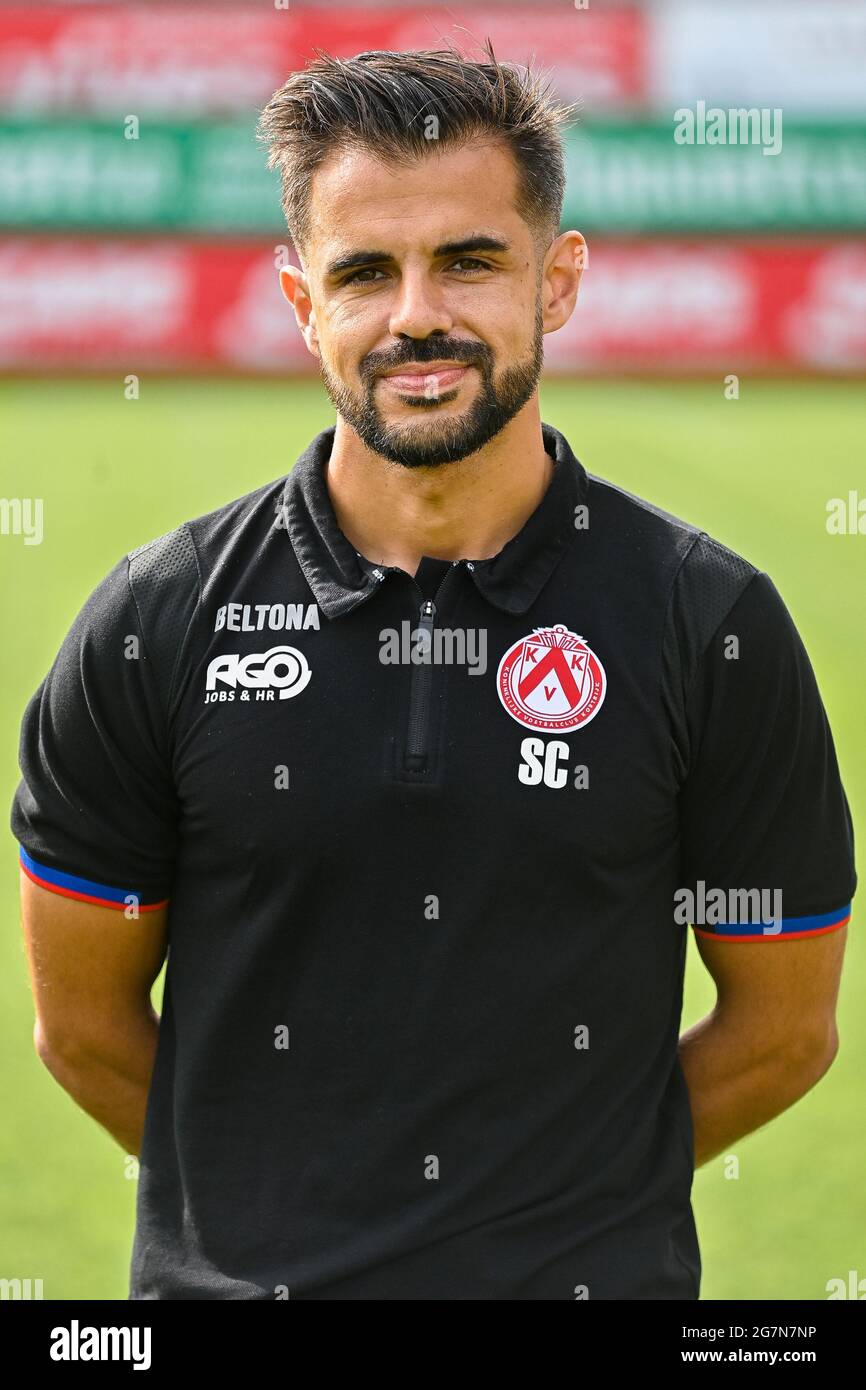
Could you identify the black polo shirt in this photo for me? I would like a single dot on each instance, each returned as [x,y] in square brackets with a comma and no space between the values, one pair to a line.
[424,983]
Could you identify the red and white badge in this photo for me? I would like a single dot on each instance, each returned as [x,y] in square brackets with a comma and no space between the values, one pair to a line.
[551,681]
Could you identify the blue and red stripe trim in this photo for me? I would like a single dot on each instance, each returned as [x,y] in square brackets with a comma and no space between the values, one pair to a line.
[791,928]
[84,889]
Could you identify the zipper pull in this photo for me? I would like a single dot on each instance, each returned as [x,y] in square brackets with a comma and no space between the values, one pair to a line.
[425,626]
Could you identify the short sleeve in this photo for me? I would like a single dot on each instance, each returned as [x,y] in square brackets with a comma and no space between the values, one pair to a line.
[95,812]
[766,833]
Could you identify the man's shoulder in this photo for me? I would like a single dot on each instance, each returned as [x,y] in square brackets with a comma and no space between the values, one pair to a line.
[168,575]
[698,562]
[181,557]
[628,507]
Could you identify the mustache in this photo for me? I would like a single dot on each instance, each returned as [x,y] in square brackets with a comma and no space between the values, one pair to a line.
[426,350]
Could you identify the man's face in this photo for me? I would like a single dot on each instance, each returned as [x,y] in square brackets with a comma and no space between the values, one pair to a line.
[424,282]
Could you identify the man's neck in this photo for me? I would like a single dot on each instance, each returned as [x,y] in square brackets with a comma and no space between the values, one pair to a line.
[468,510]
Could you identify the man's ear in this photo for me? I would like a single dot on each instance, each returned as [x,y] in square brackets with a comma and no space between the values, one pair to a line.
[566,258]
[293,283]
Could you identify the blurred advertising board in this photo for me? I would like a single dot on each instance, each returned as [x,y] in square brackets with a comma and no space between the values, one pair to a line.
[622,176]
[195,59]
[688,306]
[809,59]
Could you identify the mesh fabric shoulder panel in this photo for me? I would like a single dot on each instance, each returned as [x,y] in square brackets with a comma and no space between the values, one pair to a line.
[708,583]
[166,585]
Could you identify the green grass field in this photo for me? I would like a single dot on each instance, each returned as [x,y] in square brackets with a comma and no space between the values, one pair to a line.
[755,473]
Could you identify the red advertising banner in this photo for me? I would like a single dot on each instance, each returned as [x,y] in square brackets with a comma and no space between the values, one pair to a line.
[126,305]
[200,60]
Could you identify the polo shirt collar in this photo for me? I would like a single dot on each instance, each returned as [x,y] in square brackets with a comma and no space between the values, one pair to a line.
[341,578]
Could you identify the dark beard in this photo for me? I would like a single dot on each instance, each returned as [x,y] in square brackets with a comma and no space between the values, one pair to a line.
[447,440]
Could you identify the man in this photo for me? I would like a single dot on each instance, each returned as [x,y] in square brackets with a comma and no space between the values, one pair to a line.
[421,760]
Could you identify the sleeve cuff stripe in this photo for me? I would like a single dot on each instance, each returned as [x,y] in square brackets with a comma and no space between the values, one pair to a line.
[791,928]
[84,889]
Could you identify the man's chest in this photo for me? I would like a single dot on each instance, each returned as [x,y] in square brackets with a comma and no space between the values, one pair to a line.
[542,732]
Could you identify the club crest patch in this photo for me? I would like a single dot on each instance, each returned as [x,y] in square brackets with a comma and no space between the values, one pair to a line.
[551,681]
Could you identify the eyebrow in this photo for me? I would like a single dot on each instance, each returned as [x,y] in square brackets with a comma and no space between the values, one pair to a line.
[354,259]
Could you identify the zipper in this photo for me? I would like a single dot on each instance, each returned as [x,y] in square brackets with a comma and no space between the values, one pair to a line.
[415,757]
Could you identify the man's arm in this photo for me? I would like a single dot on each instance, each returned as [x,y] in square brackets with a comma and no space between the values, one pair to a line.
[91,971]
[771,1036]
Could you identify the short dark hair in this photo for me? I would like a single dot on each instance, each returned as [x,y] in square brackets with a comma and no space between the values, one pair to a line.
[381,101]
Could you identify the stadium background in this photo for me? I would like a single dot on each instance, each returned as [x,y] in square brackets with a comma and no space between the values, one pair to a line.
[153,258]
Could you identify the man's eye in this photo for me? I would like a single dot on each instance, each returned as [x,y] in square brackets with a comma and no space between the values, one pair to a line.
[355,276]
[472,262]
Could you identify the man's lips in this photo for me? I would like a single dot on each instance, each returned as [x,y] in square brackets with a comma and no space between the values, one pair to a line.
[432,379]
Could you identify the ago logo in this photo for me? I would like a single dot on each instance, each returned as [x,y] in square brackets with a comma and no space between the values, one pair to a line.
[551,681]
[283,669]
